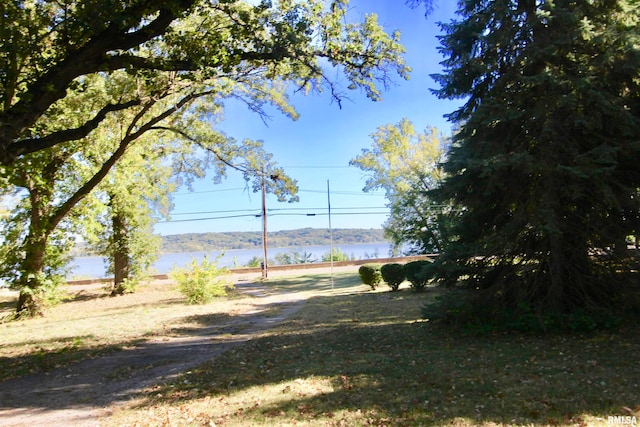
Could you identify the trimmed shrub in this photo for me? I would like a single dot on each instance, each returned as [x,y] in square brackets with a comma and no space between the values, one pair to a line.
[370,275]
[393,275]
[418,273]
[200,283]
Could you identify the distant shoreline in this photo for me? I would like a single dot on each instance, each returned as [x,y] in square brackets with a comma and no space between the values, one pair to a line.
[272,249]
[93,266]
[246,240]
[194,242]
[317,267]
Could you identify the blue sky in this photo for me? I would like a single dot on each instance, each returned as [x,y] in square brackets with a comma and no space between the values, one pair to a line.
[318,146]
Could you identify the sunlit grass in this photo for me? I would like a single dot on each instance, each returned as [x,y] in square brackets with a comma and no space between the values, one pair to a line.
[349,357]
[89,323]
[366,358]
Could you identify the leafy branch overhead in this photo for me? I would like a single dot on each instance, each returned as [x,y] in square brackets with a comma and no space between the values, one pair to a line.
[103,97]
[51,48]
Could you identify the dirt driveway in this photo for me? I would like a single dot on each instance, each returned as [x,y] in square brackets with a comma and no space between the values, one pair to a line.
[85,392]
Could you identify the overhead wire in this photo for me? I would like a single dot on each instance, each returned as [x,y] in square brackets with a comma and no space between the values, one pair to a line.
[208,191]
[207,219]
[258,214]
[277,209]
[349,193]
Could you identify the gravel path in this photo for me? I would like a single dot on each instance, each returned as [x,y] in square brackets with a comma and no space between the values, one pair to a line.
[81,394]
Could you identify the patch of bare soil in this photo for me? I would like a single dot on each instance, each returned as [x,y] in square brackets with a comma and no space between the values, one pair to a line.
[85,392]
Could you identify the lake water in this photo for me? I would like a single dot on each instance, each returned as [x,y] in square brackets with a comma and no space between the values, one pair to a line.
[94,267]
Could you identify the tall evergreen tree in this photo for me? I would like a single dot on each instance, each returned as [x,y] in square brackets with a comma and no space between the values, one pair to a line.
[546,160]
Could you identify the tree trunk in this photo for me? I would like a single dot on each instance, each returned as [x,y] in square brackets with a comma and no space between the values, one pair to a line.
[30,304]
[620,249]
[559,238]
[121,263]
[120,272]
[557,263]
[31,299]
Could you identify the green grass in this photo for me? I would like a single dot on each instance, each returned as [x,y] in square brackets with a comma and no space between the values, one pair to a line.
[354,357]
[349,357]
[89,323]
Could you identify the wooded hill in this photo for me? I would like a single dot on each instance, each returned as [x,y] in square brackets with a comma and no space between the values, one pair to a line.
[191,242]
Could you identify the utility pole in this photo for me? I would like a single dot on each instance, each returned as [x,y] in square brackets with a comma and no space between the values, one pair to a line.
[264,226]
[330,232]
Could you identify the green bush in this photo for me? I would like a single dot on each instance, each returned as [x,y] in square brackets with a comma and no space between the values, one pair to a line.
[48,293]
[393,275]
[418,273]
[254,262]
[294,257]
[338,256]
[200,283]
[370,275]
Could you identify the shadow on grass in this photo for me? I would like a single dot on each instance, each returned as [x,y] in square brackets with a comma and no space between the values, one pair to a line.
[44,360]
[116,371]
[8,304]
[385,367]
[86,295]
[46,355]
[50,354]
[314,282]
[356,358]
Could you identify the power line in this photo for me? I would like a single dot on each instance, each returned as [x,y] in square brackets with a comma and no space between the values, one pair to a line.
[208,191]
[315,167]
[256,212]
[259,215]
[207,219]
[275,209]
[213,212]
[334,213]
[324,208]
[349,193]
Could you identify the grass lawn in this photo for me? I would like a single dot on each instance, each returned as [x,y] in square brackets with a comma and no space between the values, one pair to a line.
[349,357]
[89,323]
[354,357]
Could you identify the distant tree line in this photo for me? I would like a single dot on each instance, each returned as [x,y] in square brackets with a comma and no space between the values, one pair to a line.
[192,242]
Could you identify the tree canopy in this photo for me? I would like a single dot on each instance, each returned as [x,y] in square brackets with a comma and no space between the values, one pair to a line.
[546,160]
[406,165]
[49,48]
[84,86]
